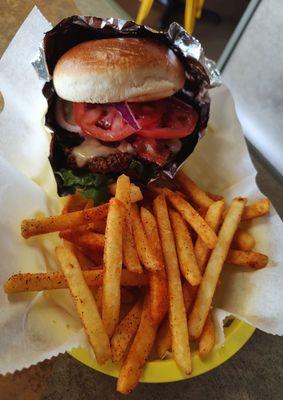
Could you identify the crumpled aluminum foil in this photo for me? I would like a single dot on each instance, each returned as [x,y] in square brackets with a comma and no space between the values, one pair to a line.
[201,73]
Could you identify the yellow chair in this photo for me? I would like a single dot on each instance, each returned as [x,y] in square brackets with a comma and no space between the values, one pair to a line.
[193,10]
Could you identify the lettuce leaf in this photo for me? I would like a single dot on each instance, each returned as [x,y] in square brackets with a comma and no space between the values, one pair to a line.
[92,186]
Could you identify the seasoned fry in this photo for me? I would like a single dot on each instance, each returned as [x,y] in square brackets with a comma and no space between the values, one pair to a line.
[85,303]
[35,282]
[214,197]
[85,262]
[75,202]
[89,204]
[198,196]
[125,331]
[164,337]
[247,259]
[193,218]
[185,250]
[243,240]
[158,293]
[38,226]
[88,240]
[213,269]
[138,354]
[130,254]
[213,218]
[135,194]
[207,338]
[97,293]
[177,312]
[257,209]
[145,250]
[112,267]
[95,256]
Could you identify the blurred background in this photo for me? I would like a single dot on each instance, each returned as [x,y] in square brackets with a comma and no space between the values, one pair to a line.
[214,27]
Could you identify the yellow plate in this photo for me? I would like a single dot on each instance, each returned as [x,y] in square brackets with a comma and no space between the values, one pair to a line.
[236,335]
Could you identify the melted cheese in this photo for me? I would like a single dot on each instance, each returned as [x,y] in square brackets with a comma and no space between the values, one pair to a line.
[89,149]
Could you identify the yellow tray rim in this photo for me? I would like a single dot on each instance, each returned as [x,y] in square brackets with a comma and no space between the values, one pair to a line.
[158,371]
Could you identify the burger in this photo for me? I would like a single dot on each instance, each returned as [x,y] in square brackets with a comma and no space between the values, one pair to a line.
[119,103]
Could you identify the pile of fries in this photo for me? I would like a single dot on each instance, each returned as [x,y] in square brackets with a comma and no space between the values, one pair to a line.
[143,268]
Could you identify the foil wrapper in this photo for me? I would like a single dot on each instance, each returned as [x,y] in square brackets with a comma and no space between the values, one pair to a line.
[201,74]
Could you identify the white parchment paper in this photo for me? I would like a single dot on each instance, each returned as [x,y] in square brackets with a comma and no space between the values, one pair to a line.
[35,327]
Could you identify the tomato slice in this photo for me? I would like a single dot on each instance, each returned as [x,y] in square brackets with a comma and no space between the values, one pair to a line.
[163,119]
[177,120]
[148,115]
[101,121]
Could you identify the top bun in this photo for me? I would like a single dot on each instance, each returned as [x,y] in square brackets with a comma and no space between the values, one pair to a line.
[119,69]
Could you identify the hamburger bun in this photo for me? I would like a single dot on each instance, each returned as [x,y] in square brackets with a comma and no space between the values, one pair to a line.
[118,69]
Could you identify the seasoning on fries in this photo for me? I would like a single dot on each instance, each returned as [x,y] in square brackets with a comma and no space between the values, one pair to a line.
[158,293]
[35,282]
[112,267]
[185,250]
[125,331]
[177,312]
[198,196]
[207,338]
[85,303]
[213,269]
[247,259]
[171,258]
[39,226]
[193,218]
[130,254]
[139,351]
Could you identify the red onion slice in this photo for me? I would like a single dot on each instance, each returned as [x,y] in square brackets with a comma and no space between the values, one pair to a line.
[126,112]
[60,118]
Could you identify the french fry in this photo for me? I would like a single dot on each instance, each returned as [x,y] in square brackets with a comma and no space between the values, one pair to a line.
[214,197]
[185,250]
[87,239]
[89,204]
[247,259]
[177,312]
[35,282]
[145,250]
[95,256]
[38,226]
[112,267]
[158,293]
[85,262]
[97,293]
[198,196]
[75,202]
[243,240]
[213,269]
[85,303]
[125,331]
[135,194]
[207,338]
[139,351]
[130,254]
[213,218]
[257,209]
[193,218]
[164,337]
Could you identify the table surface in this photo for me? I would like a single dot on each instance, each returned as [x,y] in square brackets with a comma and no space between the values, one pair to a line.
[255,372]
